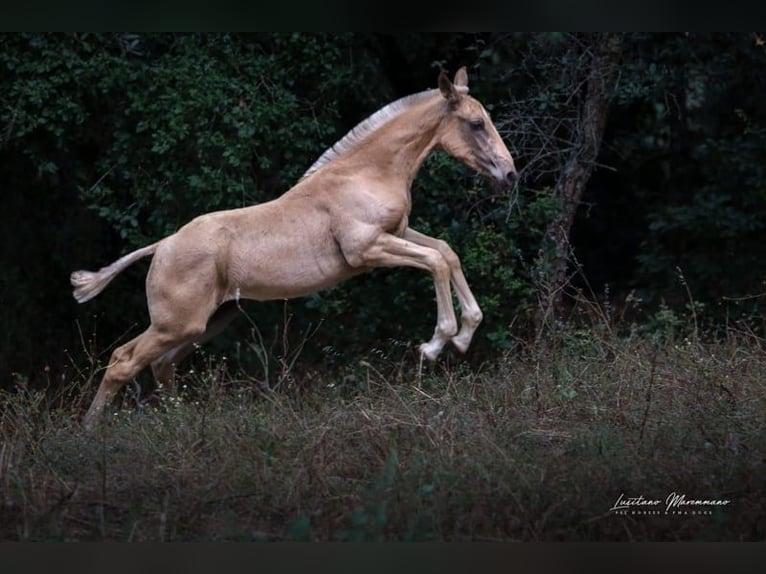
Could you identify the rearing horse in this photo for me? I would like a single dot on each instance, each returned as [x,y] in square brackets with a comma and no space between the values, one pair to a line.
[348,214]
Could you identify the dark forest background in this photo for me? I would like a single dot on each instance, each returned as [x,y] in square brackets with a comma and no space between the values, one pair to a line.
[110,141]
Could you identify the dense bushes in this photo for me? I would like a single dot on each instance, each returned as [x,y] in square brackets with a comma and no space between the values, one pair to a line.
[108,141]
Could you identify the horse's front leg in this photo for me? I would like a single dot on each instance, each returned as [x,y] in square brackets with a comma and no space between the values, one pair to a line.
[471,314]
[387,250]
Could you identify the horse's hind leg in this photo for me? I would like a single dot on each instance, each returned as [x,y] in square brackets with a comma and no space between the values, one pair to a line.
[164,367]
[127,361]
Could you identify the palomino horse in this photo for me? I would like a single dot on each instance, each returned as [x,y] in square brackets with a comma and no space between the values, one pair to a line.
[346,215]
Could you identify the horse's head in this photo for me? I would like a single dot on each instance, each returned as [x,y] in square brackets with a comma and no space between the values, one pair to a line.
[469,135]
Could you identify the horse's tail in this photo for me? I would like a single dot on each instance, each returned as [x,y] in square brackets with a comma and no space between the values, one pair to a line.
[88,284]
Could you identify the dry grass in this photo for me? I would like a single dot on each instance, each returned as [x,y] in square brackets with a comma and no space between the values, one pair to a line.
[535,446]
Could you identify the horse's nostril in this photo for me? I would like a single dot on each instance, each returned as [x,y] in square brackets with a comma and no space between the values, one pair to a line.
[512,176]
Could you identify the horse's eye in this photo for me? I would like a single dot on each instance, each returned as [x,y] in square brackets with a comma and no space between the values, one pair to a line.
[477,124]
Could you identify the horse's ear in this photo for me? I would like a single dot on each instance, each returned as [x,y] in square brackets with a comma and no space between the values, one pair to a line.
[452,91]
[461,77]
[446,87]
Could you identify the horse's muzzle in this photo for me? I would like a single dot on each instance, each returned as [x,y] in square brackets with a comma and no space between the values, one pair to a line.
[505,181]
[511,178]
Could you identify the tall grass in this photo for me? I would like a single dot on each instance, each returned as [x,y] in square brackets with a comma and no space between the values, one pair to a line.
[535,445]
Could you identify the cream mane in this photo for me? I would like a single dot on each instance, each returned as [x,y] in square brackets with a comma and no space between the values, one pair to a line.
[366,127]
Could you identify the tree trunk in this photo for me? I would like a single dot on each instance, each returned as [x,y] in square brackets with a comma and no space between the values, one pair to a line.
[555,253]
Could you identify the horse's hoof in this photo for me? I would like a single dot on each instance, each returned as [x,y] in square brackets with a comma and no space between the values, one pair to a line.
[429,351]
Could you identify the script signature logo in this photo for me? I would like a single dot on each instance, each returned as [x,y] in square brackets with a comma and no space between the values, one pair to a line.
[673,503]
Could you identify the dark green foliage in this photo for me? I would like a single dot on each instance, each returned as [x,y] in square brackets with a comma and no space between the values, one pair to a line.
[148,131]
[109,141]
[697,149]
[178,125]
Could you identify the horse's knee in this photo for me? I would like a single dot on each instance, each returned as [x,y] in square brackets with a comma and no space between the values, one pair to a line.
[472,317]
[448,253]
[440,267]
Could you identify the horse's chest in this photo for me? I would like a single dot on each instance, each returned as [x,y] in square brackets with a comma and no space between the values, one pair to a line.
[395,219]
[393,213]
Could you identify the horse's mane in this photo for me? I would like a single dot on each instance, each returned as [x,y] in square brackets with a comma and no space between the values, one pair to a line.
[366,127]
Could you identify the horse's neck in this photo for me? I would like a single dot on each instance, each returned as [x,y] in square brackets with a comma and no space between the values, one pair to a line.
[400,147]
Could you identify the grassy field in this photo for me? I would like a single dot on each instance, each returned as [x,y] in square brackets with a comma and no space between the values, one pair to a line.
[538,445]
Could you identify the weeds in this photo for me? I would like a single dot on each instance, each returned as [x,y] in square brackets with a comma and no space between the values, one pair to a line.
[535,445]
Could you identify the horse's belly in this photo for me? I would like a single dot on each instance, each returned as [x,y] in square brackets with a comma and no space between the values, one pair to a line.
[288,271]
